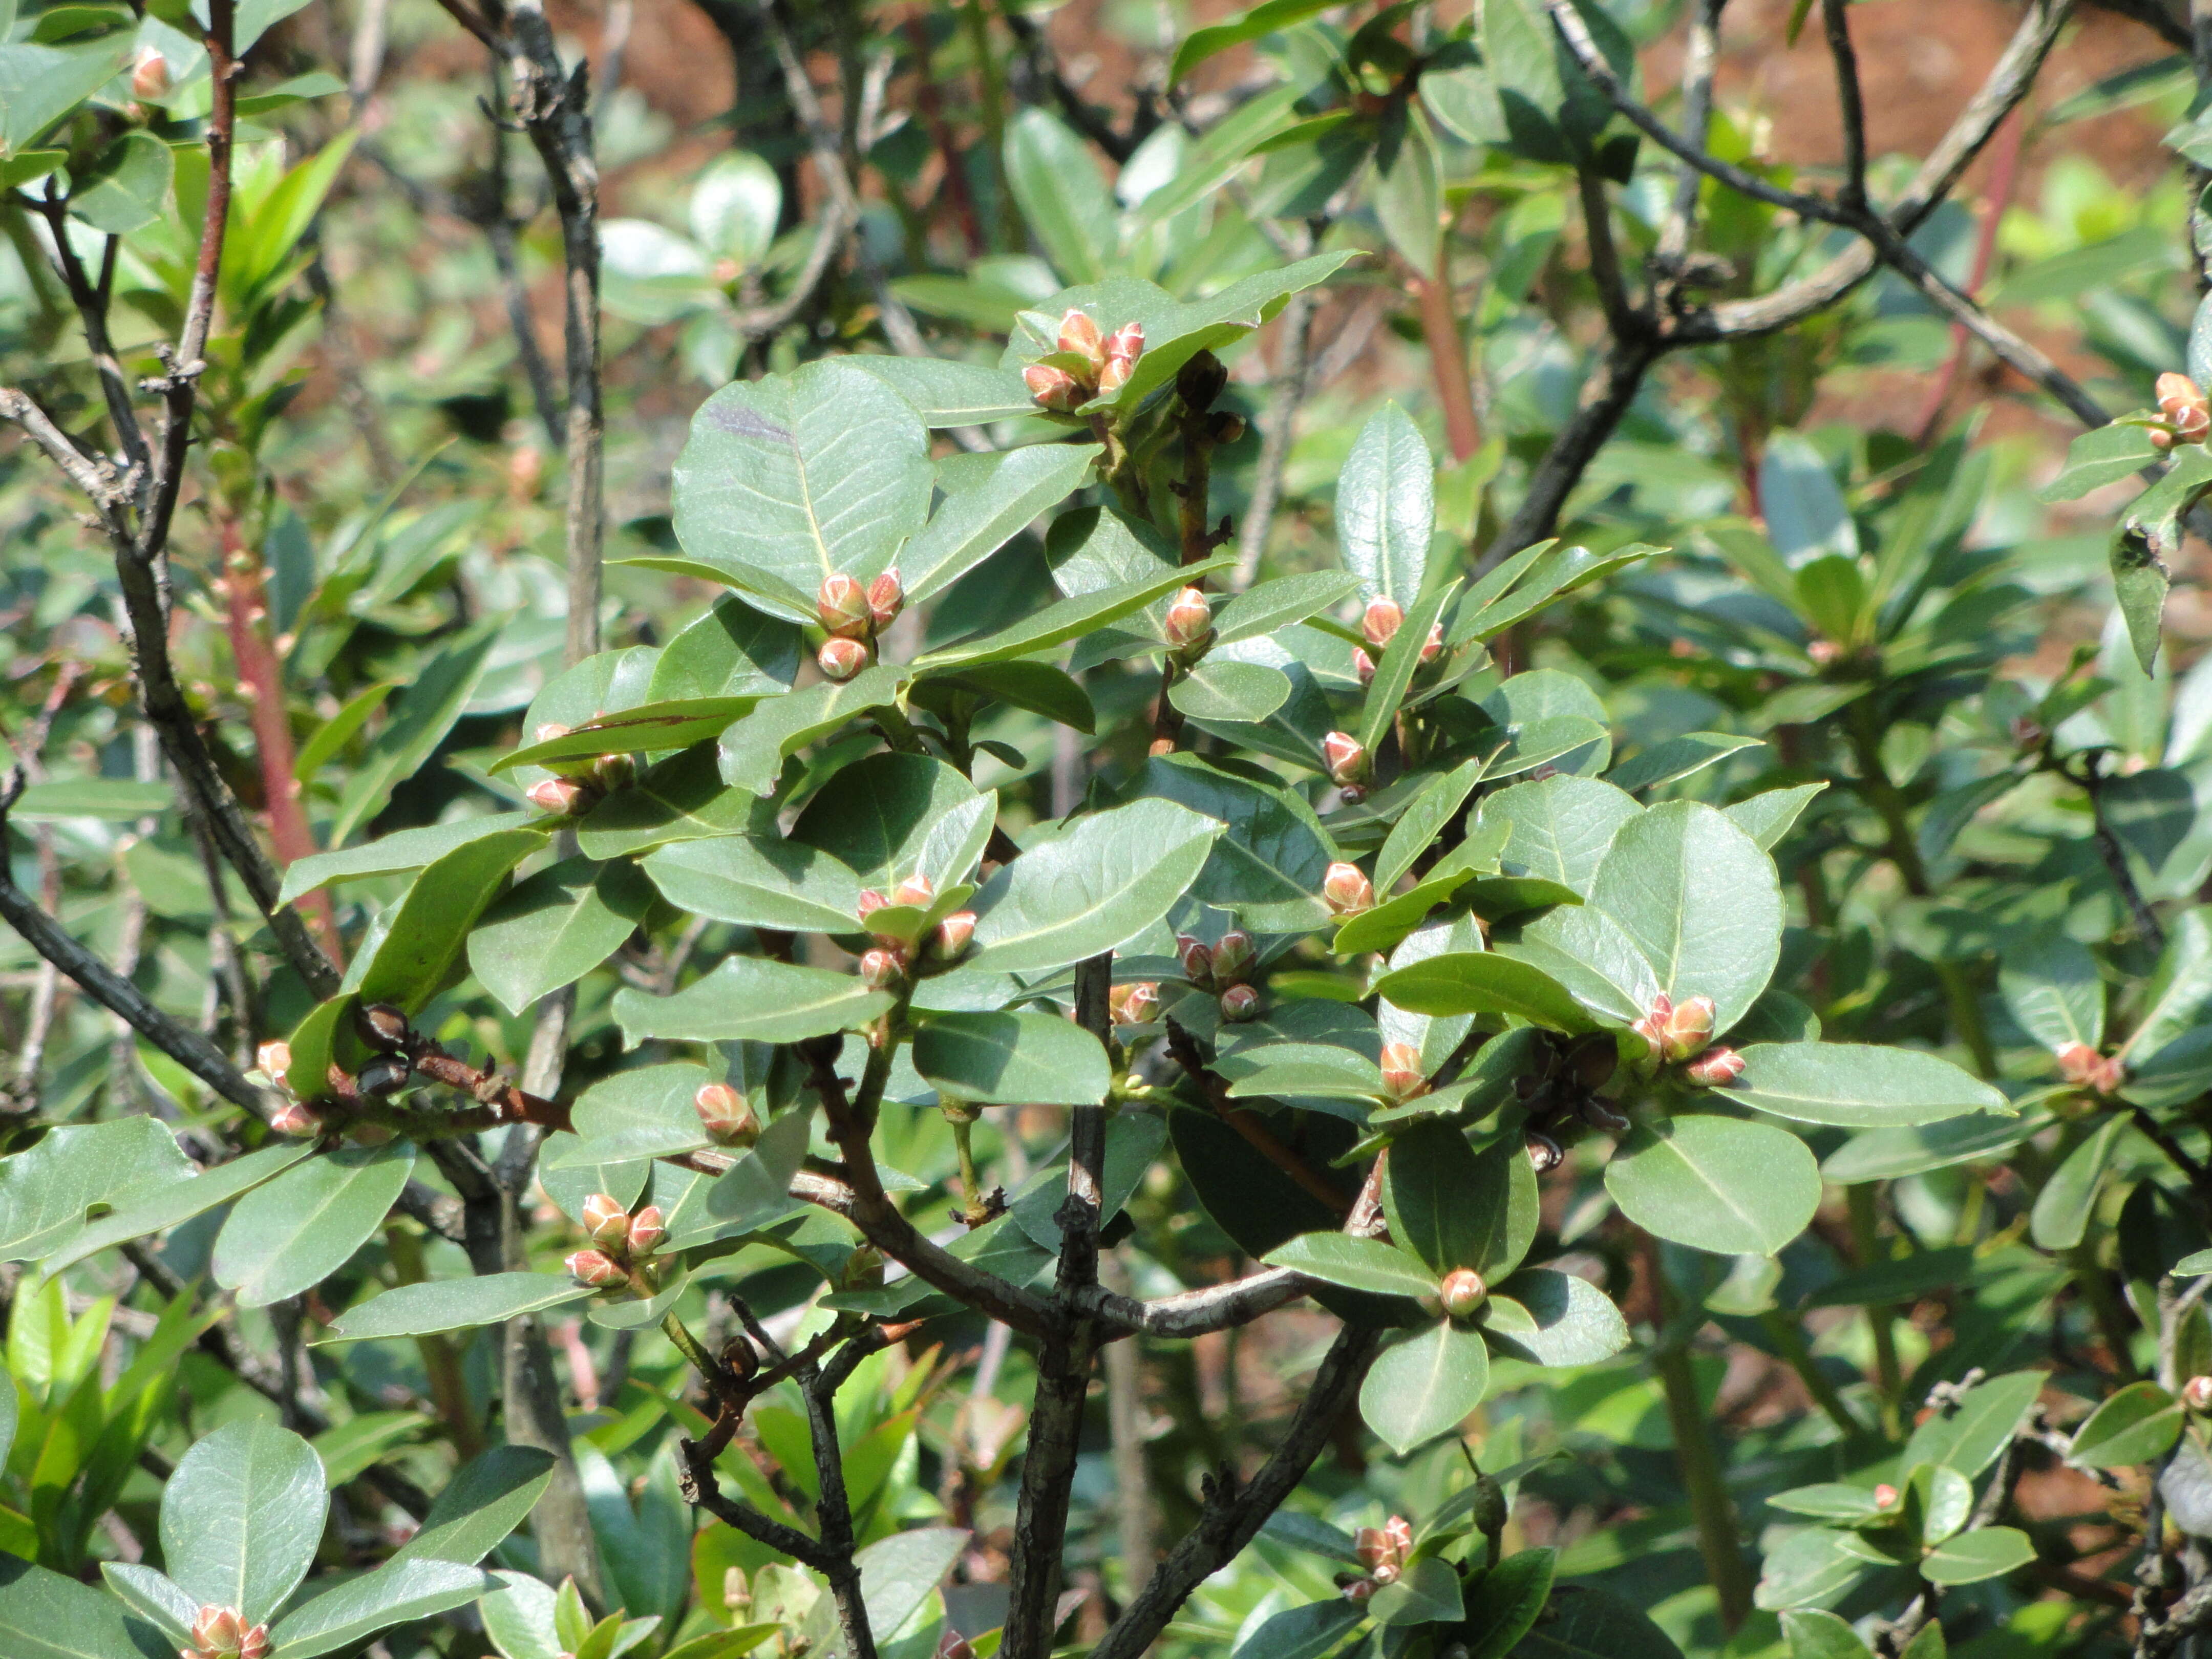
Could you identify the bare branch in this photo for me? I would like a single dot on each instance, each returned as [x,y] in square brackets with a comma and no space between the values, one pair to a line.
[1852,198]
[1699,60]
[1194,1313]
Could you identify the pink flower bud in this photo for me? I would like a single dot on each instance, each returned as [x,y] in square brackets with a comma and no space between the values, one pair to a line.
[1360,1589]
[1197,960]
[2198,1391]
[917,891]
[1239,1003]
[1402,1076]
[1078,333]
[647,1229]
[2190,425]
[1715,1068]
[871,902]
[1381,622]
[1400,1531]
[218,1630]
[842,605]
[1345,761]
[726,1116]
[274,1058]
[295,1119]
[1053,388]
[605,1222]
[1463,1293]
[1123,347]
[563,797]
[1433,644]
[1885,1496]
[590,1267]
[1689,1027]
[841,659]
[954,934]
[150,75]
[886,599]
[953,1645]
[2159,438]
[1347,890]
[1652,1027]
[2176,393]
[882,967]
[2078,1062]
[254,1643]
[1364,666]
[1134,1005]
[1190,619]
[1233,955]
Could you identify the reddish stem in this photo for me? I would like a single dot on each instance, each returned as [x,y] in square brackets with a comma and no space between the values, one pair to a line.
[1447,357]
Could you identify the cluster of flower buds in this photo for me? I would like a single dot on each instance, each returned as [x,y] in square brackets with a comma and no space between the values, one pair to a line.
[1462,1291]
[2196,1394]
[1380,626]
[889,962]
[1402,1076]
[1106,363]
[1347,890]
[578,783]
[223,1634]
[620,1240]
[1136,1005]
[1190,621]
[1225,966]
[854,614]
[1682,1032]
[1383,1551]
[1350,766]
[2084,1067]
[2187,410]
[726,1115]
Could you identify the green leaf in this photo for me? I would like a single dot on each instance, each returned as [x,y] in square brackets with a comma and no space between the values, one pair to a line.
[644,1113]
[1985,1553]
[2061,1216]
[2101,456]
[1570,1321]
[296,1231]
[1969,1438]
[1676,758]
[519,1616]
[1394,674]
[242,1516]
[889,817]
[41,84]
[555,928]
[1425,1385]
[1456,1209]
[734,650]
[453,1305]
[1012,1059]
[1858,1085]
[116,799]
[152,1595]
[1312,1631]
[429,928]
[1476,982]
[1101,884]
[44,1615]
[153,1203]
[1812,1633]
[400,1592]
[1359,1264]
[2137,1425]
[1592,955]
[897,1573]
[1268,863]
[1058,622]
[1559,827]
[1767,816]
[1886,1154]
[1133,1141]
[795,477]
[1504,1603]
[1589,1623]
[1716,1184]
[1064,200]
[1265,606]
[45,1189]
[1224,688]
[1424,819]
[751,1192]
[648,728]
[2051,987]
[402,850]
[421,717]
[1386,508]
[751,999]
[1390,923]
[1021,683]
[758,881]
[1701,900]
[125,190]
[1195,49]
[753,750]
[949,394]
[986,505]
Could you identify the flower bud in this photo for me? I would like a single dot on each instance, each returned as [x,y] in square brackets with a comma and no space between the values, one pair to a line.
[863,1269]
[1122,349]
[1078,333]
[725,1114]
[1463,1292]
[1134,1005]
[253,1643]
[886,599]
[1545,1154]
[563,797]
[953,1645]
[917,892]
[1053,388]
[1490,1512]
[590,1267]
[1233,957]
[1434,643]
[381,1026]
[2159,438]
[1689,1028]
[295,1119]
[382,1075]
[2192,423]
[2078,1063]
[1360,1590]
[1224,425]
[647,1229]
[871,902]
[605,1222]
[1347,890]
[1190,619]
[1885,1496]
[1382,621]
[150,75]
[1652,1027]
[882,967]
[2198,1391]
[1402,1076]
[1345,761]
[551,730]
[1715,1068]
[613,771]
[218,1630]
[1364,666]
[841,659]
[953,936]
[843,606]
[2176,393]
[1239,1003]
[1197,960]
[274,1058]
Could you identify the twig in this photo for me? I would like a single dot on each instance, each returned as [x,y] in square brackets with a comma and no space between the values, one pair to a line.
[1852,198]
[1699,60]
[2115,856]
[1293,374]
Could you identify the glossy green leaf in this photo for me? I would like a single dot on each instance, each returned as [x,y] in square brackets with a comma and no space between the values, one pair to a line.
[646,728]
[1812,1633]
[430,928]
[2137,1425]
[887,817]
[643,1113]
[453,1305]
[2050,986]
[1012,1059]
[242,1516]
[1716,1184]
[152,1203]
[1675,759]
[1701,901]
[1400,661]
[392,854]
[46,1188]
[1386,507]
[400,1592]
[751,999]
[1224,688]
[1453,1207]
[732,651]
[1424,817]
[1590,1623]
[1769,815]
[1058,623]
[1064,200]
[1359,1264]
[1559,828]
[1268,863]
[423,715]
[1265,606]
[1969,1438]
[1504,1603]
[1483,982]
[296,1231]
[759,881]
[2060,1216]
[985,506]
[1858,1085]
[1311,1632]
[45,1615]
[1105,880]
[1570,1321]
[1425,1385]
[1985,1553]
[555,928]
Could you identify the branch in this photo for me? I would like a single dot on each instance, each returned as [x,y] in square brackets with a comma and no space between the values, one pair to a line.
[1193,1313]
[1699,60]
[1621,316]
[834,1516]
[1233,1515]
[1853,197]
